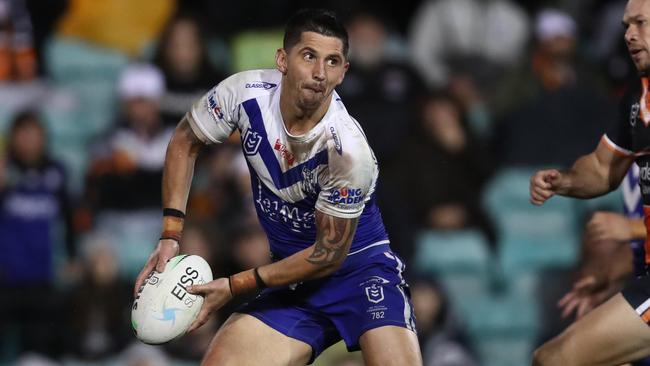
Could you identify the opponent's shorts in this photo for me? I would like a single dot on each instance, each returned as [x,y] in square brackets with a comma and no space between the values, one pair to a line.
[637,293]
[343,306]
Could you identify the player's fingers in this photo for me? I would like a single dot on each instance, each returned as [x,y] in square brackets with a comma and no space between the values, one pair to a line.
[537,196]
[544,192]
[148,267]
[200,319]
[570,307]
[199,289]
[565,299]
[538,199]
[585,283]
[593,223]
[583,309]
[162,260]
[539,181]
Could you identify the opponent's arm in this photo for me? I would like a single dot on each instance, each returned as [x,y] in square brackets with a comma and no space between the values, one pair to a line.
[178,170]
[591,175]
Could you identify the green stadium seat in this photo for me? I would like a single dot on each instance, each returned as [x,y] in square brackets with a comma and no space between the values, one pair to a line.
[452,252]
[530,237]
[504,350]
[90,73]
[71,60]
[505,325]
[255,49]
[131,235]
[460,261]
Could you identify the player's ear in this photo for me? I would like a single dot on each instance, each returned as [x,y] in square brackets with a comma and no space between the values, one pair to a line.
[281,60]
[346,66]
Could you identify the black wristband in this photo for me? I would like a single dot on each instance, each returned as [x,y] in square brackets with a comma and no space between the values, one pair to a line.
[173,212]
[258,280]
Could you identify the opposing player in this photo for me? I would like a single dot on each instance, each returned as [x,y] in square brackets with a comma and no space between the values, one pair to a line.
[313,177]
[617,331]
[613,250]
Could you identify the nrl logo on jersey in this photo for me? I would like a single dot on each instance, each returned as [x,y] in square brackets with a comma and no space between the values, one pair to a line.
[634,114]
[251,142]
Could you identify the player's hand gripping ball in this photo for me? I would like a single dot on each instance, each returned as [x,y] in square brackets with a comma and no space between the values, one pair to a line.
[163,310]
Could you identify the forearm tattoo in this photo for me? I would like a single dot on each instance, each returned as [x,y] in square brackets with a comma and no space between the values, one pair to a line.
[333,238]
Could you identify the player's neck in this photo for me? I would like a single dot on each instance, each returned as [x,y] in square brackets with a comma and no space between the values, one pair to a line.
[298,120]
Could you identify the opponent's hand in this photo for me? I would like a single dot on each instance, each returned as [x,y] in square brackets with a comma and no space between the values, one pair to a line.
[216,293]
[166,250]
[544,185]
[608,226]
[587,293]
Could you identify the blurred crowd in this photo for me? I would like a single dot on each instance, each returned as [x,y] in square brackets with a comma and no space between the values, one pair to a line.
[453,95]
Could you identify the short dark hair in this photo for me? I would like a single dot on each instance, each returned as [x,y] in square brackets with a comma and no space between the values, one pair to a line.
[319,21]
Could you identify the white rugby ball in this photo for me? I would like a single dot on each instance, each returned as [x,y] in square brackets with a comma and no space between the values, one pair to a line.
[163,309]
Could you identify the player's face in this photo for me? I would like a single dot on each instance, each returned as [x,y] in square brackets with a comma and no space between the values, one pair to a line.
[636,21]
[313,68]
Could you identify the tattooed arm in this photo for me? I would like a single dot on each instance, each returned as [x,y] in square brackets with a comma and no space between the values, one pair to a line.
[333,238]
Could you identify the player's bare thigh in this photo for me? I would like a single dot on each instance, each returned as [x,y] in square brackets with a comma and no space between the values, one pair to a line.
[245,340]
[611,334]
[390,345]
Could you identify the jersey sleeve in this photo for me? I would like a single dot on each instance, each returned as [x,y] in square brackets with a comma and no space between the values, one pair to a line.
[347,184]
[618,136]
[213,115]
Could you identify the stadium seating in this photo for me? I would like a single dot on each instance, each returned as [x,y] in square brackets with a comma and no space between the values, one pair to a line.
[91,73]
[458,259]
[255,49]
[505,316]
[530,238]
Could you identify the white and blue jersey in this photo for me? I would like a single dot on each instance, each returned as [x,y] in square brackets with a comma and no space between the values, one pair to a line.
[331,168]
[633,209]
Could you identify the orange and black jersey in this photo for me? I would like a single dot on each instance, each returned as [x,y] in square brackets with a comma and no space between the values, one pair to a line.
[630,136]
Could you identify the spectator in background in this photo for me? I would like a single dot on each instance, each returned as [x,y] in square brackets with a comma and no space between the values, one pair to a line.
[379,88]
[554,92]
[17,56]
[442,344]
[220,191]
[450,187]
[123,186]
[491,33]
[382,91]
[250,249]
[98,308]
[129,161]
[611,53]
[33,209]
[140,354]
[183,59]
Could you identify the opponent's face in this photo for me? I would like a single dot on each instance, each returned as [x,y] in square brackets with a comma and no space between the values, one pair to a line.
[637,33]
[313,68]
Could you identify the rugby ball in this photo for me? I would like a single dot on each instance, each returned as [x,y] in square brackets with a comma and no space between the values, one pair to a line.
[163,310]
